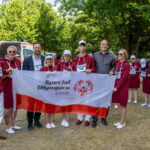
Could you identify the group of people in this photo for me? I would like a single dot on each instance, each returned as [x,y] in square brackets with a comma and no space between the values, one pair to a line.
[102,62]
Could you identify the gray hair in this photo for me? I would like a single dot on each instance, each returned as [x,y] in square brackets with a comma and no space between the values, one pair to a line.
[12,46]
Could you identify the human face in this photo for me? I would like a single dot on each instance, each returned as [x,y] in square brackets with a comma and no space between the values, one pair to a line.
[11,53]
[104,45]
[82,48]
[133,60]
[37,49]
[67,58]
[49,61]
[121,56]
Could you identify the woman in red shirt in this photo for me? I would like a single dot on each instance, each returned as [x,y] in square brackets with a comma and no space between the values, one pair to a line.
[9,63]
[49,67]
[120,91]
[66,65]
[134,83]
[145,74]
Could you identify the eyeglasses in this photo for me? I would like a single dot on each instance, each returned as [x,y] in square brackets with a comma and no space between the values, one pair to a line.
[13,52]
[120,54]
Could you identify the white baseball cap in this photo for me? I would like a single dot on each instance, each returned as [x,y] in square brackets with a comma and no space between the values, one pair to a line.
[82,42]
[143,63]
[67,52]
[48,55]
[17,55]
[133,57]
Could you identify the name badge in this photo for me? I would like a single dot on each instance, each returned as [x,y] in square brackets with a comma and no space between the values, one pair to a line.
[1,73]
[133,71]
[64,70]
[81,68]
[118,75]
[143,74]
[37,67]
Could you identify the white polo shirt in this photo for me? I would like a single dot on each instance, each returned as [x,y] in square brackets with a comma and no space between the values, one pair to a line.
[37,63]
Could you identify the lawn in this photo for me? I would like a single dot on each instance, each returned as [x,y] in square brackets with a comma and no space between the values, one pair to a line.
[135,136]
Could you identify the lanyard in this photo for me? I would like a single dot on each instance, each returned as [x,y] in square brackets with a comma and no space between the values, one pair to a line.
[118,66]
[68,67]
[10,65]
[79,60]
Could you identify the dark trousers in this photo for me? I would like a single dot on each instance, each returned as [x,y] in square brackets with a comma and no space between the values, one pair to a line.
[95,118]
[33,115]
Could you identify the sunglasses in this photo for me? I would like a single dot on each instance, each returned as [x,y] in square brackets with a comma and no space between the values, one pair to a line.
[120,54]
[13,52]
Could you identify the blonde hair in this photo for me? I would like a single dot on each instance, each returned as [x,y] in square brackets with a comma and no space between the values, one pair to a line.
[12,46]
[45,62]
[124,52]
[62,58]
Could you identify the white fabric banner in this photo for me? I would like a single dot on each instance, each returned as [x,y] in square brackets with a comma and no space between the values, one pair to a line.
[64,88]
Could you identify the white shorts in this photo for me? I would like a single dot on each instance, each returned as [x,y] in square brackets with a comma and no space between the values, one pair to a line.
[1,106]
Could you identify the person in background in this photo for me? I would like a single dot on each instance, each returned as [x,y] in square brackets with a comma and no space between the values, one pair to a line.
[57,59]
[121,88]
[34,63]
[145,74]
[105,63]
[9,63]
[65,66]
[84,63]
[1,100]
[49,67]
[18,56]
[134,79]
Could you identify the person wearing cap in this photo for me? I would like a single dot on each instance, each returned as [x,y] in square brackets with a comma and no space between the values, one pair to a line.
[1,99]
[34,63]
[134,79]
[49,67]
[66,65]
[84,63]
[145,74]
[105,64]
[18,56]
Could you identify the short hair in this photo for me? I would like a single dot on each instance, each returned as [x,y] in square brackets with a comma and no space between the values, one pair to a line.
[36,43]
[124,52]
[104,40]
[12,46]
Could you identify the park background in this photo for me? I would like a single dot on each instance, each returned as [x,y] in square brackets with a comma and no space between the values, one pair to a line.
[59,25]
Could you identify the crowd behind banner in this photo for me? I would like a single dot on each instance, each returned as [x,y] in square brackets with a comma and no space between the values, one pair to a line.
[128,76]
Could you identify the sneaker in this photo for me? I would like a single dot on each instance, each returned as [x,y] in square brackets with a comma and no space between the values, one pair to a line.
[116,106]
[129,101]
[86,123]
[66,124]
[116,124]
[63,123]
[48,126]
[120,126]
[10,131]
[52,125]
[16,127]
[144,104]
[135,102]
[148,105]
[78,122]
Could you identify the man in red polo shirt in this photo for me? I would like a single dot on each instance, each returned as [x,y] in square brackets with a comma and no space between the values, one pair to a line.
[1,99]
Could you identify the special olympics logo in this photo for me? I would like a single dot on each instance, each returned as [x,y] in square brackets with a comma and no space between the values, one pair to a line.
[83,87]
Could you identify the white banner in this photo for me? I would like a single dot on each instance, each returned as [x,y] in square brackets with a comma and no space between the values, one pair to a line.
[63,90]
